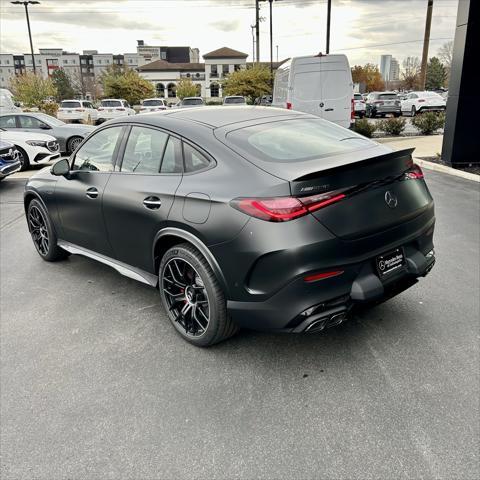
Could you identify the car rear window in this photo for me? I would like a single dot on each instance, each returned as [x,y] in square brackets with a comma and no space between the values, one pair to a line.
[296,140]
[70,105]
[235,100]
[192,101]
[358,96]
[388,96]
[111,103]
[152,103]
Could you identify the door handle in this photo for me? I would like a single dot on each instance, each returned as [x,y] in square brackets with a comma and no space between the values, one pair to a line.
[92,192]
[153,203]
[329,109]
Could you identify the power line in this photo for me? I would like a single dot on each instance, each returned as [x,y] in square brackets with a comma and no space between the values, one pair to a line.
[394,43]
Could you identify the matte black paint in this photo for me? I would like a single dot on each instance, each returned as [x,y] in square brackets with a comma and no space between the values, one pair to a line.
[260,265]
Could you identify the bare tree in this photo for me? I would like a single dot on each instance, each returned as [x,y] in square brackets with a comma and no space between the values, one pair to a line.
[445,54]
[411,73]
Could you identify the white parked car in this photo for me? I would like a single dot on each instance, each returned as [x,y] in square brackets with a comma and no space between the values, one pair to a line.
[77,111]
[153,105]
[234,100]
[114,108]
[7,105]
[359,105]
[189,102]
[33,148]
[417,102]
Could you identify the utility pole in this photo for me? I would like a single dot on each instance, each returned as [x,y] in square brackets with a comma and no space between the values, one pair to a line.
[329,14]
[257,27]
[25,4]
[277,53]
[253,40]
[426,41]
[271,43]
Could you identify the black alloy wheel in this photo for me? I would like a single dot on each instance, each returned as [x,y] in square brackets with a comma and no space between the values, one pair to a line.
[192,297]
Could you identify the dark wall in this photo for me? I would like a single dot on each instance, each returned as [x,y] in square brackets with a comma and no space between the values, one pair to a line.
[178,54]
[461,141]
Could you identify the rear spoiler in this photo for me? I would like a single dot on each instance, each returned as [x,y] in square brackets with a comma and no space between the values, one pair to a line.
[380,167]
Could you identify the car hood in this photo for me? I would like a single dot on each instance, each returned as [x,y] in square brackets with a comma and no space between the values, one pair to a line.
[77,128]
[24,136]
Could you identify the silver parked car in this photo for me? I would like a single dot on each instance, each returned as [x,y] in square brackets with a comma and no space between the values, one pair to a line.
[188,102]
[69,136]
[234,100]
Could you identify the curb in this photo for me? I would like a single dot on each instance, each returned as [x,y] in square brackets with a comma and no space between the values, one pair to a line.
[448,170]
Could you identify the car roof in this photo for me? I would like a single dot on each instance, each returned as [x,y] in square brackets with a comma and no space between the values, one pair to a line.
[216,117]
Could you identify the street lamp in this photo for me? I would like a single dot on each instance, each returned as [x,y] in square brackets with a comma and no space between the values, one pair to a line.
[25,4]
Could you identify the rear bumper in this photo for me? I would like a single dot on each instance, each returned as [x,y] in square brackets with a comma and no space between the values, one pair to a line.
[301,307]
[383,109]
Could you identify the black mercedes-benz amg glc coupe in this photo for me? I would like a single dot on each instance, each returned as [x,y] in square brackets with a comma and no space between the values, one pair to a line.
[242,217]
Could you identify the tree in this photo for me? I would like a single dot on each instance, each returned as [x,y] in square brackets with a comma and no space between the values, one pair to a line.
[33,90]
[251,82]
[370,76]
[411,73]
[445,53]
[186,88]
[436,74]
[62,83]
[123,82]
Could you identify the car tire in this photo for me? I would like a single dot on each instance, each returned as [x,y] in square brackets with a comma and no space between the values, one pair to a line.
[396,115]
[73,143]
[192,297]
[24,160]
[43,234]
[413,111]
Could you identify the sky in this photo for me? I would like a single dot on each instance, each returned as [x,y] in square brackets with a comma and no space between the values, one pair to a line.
[362,29]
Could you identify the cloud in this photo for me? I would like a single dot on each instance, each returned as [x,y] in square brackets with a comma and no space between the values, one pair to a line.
[225,25]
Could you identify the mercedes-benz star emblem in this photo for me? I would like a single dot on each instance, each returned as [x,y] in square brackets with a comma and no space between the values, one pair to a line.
[390,199]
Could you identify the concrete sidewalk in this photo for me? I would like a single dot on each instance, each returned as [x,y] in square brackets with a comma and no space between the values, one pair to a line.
[425,145]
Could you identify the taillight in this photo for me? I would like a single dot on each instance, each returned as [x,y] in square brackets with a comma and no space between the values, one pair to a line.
[100,108]
[143,108]
[289,106]
[378,102]
[414,173]
[421,100]
[121,109]
[321,276]
[284,209]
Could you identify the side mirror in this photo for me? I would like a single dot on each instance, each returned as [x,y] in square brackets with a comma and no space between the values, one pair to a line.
[61,168]
[44,126]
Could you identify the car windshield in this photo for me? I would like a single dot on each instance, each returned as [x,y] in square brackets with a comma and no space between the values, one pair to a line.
[235,100]
[52,121]
[296,140]
[388,96]
[67,104]
[192,101]
[111,103]
[152,103]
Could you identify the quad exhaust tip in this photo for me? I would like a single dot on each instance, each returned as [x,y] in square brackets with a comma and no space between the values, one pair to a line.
[332,321]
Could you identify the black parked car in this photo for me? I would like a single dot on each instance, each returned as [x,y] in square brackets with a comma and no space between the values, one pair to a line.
[250,217]
[383,103]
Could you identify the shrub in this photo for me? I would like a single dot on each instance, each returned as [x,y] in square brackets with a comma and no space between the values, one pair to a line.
[50,108]
[392,126]
[364,127]
[429,122]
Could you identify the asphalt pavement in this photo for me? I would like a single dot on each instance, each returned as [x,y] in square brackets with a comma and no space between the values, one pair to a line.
[96,384]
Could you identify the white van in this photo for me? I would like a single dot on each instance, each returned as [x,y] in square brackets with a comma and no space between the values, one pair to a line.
[317,84]
[6,102]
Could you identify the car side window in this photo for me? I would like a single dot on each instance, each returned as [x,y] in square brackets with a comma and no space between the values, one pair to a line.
[172,161]
[8,121]
[144,150]
[30,122]
[194,160]
[96,154]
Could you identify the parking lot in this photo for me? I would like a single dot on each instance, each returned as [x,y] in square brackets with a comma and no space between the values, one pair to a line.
[95,383]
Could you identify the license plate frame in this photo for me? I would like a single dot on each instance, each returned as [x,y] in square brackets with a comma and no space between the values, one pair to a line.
[390,262]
